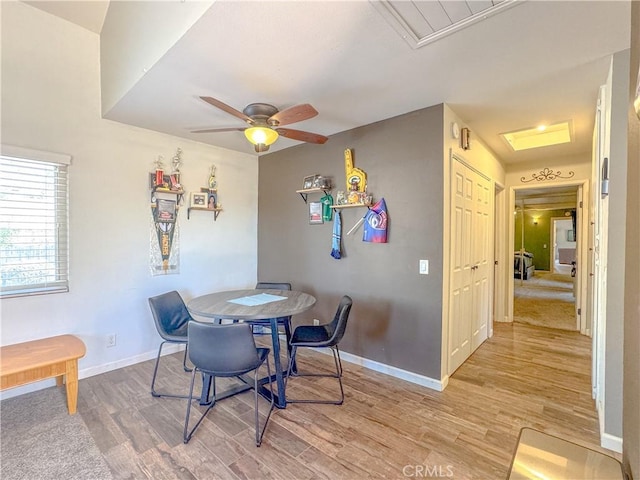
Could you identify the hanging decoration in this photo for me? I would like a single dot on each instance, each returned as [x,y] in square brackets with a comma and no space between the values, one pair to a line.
[336,238]
[546,174]
[376,222]
[166,195]
[356,180]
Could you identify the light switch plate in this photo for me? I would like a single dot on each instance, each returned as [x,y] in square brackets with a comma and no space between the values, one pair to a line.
[424,267]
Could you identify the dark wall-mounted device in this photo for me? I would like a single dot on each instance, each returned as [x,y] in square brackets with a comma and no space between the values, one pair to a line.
[604,181]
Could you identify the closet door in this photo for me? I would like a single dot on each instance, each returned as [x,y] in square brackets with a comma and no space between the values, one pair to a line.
[481,259]
[471,263]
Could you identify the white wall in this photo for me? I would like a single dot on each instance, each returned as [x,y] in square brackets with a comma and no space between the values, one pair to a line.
[51,101]
[617,104]
[482,159]
[145,30]
[563,227]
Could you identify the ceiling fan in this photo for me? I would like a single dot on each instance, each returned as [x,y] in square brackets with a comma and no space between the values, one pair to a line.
[265,122]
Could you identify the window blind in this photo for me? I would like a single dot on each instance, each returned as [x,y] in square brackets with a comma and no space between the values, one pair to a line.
[34,230]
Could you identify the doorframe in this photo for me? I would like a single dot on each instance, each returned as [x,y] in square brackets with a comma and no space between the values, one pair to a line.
[501,255]
[582,224]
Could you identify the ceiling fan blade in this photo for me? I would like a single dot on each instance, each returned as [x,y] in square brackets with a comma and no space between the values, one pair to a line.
[302,136]
[226,108]
[214,130]
[297,113]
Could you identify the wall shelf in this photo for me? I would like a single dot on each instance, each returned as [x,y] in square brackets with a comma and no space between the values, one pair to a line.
[351,205]
[178,193]
[216,211]
[306,191]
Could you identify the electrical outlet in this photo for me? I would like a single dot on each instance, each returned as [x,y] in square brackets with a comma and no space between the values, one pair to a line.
[316,322]
[111,340]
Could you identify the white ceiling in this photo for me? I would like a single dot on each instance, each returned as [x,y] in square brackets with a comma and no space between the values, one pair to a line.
[537,62]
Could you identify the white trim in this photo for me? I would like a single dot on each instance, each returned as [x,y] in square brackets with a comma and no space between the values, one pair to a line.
[168,349]
[91,371]
[30,154]
[432,383]
[611,442]
[607,440]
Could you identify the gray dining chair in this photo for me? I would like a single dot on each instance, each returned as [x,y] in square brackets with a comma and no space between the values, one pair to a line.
[321,336]
[225,351]
[171,318]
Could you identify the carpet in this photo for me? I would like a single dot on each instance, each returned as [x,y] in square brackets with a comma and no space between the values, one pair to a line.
[39,440]
[545,300]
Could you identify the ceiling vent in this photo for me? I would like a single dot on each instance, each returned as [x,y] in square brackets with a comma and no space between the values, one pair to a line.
[423,22]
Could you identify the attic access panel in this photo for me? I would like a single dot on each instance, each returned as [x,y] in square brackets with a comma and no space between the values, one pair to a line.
[423,22]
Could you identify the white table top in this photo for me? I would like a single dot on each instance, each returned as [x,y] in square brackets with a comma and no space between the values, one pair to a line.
[217,305]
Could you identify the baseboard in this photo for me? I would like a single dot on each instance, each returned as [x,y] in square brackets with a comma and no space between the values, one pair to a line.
[607,440]
[438,385]
[396,372]
[611,442]
[168,349]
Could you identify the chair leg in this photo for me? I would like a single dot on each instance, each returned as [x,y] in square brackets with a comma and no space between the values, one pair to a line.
[155,373]
[184,360]
[255,389]
[287,333]
[186,433]
[338,375]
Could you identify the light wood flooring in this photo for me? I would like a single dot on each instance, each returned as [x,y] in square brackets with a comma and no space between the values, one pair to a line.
[523,376]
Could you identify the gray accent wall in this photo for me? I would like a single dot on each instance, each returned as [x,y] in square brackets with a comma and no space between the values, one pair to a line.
[397,314]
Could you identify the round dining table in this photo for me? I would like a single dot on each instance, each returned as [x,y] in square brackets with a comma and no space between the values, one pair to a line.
[254,304]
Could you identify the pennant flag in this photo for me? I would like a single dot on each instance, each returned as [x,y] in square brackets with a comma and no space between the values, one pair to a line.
[336,237]
[375,223]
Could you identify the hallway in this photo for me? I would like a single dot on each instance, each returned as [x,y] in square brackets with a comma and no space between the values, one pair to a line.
[546,300]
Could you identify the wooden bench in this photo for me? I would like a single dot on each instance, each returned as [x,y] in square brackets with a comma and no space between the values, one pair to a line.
[36,360]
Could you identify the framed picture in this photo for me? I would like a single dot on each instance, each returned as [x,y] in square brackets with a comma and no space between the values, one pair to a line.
[212,200]
[308,182]
[165,210]
[198,199]
[315,213]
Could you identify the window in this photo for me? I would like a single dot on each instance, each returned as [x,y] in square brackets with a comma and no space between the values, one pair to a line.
[34,239]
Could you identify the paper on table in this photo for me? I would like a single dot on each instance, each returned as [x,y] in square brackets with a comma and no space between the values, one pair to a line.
[259,299]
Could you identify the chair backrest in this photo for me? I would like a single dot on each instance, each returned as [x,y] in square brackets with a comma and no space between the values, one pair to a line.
[338,325]
[222,350]
[273,285]
[170,314]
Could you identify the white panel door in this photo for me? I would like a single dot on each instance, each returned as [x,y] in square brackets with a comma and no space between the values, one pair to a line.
[461,292]
[482,261]
[471,263]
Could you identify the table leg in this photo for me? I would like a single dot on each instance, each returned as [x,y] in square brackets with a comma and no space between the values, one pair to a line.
[209,393]
[207,382]
[71,381]
[279,398]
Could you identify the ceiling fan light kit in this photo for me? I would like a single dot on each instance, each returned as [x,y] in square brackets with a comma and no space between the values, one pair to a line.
[261,135]
[264,121]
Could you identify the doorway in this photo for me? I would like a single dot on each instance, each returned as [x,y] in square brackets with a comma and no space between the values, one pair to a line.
[546,289]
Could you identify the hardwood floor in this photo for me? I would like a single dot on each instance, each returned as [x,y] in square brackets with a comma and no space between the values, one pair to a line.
[387,428]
